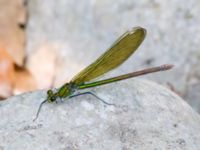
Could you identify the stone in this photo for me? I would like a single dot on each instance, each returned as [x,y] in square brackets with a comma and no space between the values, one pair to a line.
[145,116]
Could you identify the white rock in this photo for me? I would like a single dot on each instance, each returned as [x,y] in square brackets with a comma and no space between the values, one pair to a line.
[146,116]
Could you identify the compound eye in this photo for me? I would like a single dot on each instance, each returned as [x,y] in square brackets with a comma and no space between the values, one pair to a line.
[50,92]
[53,98]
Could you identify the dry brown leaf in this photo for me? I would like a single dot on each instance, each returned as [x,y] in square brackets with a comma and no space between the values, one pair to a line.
[12,36]
[24,81]
[6,74]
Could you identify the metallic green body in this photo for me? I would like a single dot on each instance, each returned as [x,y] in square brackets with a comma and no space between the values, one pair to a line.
[64,91]
[69,88]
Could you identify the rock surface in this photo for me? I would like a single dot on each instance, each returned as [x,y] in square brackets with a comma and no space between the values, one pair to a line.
[146,116]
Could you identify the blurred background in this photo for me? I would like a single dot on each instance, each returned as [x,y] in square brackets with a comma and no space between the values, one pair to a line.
[45,43]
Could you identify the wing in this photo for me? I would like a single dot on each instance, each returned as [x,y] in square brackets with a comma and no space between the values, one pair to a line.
[113,57]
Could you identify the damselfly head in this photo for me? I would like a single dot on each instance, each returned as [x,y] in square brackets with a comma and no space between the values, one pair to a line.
[51,96]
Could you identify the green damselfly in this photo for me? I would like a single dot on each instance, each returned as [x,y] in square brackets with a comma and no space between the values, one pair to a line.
[112,58]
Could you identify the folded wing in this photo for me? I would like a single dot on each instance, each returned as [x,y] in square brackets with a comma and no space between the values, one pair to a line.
[113,57]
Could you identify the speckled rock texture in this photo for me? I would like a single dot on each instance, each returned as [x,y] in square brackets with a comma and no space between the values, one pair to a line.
[69,35]
[145,116]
